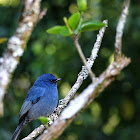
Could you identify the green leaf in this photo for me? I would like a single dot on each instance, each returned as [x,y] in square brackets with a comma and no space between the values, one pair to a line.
[44,120]
[62,30]
[82,5]
[74,20]
[91,25]
[65,31]
[55,30]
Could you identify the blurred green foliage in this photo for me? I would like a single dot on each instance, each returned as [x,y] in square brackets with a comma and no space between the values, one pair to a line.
[115,113]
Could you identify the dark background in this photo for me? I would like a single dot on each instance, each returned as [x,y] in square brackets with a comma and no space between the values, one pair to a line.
[115,114]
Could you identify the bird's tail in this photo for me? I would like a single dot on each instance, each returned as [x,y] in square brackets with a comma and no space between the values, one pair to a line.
[18,130]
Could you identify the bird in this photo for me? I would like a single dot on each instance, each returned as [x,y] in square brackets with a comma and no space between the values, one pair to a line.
[41,100]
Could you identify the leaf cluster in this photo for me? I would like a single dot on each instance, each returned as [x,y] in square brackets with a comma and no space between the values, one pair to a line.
[75,25]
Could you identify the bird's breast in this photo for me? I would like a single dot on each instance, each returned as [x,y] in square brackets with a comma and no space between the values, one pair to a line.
[45,106]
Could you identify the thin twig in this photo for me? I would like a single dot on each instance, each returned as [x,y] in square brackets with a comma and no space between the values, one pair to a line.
[120,27]
[78,47]
[42,13]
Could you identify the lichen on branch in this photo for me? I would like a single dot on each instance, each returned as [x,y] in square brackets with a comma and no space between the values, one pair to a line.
[16,44]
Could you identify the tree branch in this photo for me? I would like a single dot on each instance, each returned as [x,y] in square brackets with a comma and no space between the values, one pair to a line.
[84,99]
[88,95]
[17,44]
[81,77]
[120,27]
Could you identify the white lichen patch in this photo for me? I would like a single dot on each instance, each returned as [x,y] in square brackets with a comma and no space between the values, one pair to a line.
[19,51]
[30,24]
[29,2]
[22,28]
[1,59]
[4,77]
[14,40]
[16,49]
[10,64]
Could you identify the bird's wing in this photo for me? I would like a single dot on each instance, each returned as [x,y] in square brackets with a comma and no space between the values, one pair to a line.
[33,96]
[24,109]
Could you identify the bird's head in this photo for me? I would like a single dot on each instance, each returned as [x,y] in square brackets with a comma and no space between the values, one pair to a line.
[48,79]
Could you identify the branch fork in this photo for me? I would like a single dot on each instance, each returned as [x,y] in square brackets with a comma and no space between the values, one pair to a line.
[89,94]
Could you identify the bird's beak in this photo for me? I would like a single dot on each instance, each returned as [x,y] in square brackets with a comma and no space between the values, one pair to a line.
[58,79]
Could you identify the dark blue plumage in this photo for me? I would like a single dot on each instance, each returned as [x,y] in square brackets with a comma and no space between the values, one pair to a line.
[41,100]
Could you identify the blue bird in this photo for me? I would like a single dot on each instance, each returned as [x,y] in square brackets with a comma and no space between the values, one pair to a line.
[41,100]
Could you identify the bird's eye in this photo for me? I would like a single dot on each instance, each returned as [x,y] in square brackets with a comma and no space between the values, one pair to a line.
[51,80]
